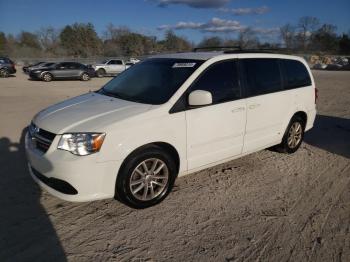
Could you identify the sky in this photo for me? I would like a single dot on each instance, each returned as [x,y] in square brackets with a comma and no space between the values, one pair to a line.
[193,19]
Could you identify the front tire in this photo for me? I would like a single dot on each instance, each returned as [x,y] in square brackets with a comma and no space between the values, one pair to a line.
[293,136]
[47,77]
[146,178]
[4,72]
[84,77]
[100,72]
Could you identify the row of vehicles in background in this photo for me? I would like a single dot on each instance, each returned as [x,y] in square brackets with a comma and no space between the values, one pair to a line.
[65,70]
[48,71]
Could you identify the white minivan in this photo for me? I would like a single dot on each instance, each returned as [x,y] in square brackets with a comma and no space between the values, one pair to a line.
[169,116]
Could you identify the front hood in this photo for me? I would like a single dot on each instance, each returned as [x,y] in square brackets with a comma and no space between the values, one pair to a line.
[39,68]
[86,113]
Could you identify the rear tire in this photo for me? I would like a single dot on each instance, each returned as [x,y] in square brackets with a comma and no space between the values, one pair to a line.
[293,137]
[84,77]
[47,77]
[100,72]
[146,178]
[4,72]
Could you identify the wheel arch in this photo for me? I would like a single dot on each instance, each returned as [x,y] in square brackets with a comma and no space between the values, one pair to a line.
[163,145]
[302,115]
[46,72]
[170,149]
[101,69]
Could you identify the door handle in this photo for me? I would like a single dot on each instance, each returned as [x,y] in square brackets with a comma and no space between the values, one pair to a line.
[253,106]
[237,109]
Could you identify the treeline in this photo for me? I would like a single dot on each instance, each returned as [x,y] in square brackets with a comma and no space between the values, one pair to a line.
[309,35]
[81,40]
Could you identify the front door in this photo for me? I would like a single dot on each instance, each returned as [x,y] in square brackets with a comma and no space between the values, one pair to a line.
[115,66]
[216,132]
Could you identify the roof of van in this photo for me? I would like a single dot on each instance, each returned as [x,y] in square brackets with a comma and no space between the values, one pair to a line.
[208,55]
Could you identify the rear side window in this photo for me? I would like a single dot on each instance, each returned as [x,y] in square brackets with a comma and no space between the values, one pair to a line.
[295,74]
[73,65]
[221,80]
[262,76]
[115,62]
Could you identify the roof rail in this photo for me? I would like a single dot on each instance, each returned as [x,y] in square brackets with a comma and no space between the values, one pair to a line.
[237,47]
[259,50]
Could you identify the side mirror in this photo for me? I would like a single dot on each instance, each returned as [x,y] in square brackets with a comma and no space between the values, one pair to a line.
[200,98]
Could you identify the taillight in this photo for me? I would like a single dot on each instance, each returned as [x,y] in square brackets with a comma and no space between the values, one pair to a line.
[316,95]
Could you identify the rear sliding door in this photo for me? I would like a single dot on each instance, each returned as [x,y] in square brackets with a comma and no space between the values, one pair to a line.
[268,104]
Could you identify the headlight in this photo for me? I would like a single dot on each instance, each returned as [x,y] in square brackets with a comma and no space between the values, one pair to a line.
[36,71]
[81,144]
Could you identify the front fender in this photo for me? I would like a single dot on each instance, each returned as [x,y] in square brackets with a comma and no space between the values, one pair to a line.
[121,141]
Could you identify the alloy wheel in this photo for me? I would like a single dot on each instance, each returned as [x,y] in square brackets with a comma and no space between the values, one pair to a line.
[85,77]
[47,77]
[294,135]
[3,73]
[149,179]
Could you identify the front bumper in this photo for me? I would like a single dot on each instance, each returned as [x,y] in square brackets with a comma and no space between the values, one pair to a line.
[69,177]
[36,76]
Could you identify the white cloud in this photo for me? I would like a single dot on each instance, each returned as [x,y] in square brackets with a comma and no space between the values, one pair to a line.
[214,25]
[246,11]
[194,3]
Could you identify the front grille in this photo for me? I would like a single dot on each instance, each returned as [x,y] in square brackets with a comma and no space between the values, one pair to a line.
[41,139]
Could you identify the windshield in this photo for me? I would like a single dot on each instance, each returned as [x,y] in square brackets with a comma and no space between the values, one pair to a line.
[153,81]
[48,64]
[37,64]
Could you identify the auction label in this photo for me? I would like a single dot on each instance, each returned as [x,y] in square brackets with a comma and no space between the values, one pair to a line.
[179,65]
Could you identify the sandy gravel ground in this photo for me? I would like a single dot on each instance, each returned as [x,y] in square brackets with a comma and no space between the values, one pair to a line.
[262,207]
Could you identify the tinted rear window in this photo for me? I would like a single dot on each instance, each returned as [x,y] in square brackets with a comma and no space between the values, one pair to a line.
[296,74]
[262,75]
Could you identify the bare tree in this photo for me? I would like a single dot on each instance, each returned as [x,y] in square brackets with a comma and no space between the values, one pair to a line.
[48,38]
[247,38]
[307,25]
[288,34]
[113,32]
[210,41]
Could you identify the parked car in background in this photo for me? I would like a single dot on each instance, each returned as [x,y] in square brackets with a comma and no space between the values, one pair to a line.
[27,69]
[129,64]
[134,60]
[7,67]
[64,70]
[111,67]
[168,116]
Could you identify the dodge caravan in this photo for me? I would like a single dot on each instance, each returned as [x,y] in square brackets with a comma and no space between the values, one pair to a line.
[169,116]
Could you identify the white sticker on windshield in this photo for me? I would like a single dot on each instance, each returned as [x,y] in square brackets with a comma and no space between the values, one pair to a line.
[178,65]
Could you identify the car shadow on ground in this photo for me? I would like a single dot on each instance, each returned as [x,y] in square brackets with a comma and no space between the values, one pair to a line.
[331,134]
[9,76]
[26,232]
